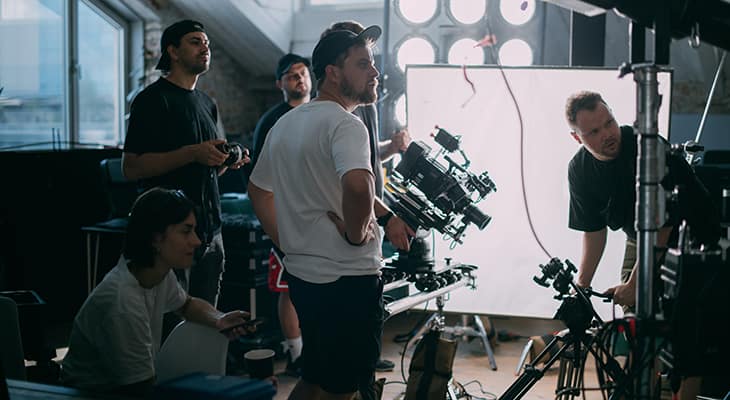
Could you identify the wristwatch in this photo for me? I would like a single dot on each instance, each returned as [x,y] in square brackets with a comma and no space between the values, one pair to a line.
[383,219]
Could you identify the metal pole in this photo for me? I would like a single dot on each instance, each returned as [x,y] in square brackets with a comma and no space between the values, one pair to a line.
[650,212]
[650,206]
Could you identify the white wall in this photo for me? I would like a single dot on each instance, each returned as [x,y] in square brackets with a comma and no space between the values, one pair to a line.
[505,251]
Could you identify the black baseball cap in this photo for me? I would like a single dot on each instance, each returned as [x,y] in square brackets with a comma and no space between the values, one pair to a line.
[335,43]
[172,35]
[287,61]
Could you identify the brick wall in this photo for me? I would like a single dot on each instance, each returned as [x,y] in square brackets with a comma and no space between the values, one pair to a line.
[241,98]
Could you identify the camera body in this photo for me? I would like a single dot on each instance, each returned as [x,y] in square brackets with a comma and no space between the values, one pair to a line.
[235,152]
[429,194]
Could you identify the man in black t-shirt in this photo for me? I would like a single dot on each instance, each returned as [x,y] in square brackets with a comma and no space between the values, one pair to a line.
[172,142]
[295,83]
[602,182]
[602,178]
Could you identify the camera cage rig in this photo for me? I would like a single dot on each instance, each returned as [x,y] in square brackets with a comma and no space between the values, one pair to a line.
[429,195]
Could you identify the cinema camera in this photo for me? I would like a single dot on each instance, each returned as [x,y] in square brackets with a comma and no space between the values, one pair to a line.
[429,195]
[235,152]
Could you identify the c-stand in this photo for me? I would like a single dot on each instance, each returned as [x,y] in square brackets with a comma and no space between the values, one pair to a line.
[578,314]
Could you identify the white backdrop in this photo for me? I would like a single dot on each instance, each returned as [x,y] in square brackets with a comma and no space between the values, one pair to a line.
[505,251]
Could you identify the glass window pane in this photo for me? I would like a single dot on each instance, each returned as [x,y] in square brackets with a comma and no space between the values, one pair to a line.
[342,2]
[100,83]
[31,72]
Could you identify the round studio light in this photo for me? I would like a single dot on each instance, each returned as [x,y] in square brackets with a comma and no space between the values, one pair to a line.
[400,110]
[517,12]
[415,50]
[465,52]
[416,11]
[467,12]
[515,52]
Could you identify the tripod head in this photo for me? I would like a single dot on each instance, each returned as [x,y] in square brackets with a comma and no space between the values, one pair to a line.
[576,310]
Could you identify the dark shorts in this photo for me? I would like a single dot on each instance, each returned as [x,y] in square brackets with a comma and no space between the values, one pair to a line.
[342,325]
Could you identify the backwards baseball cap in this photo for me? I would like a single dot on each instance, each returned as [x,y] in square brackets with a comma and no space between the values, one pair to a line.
[287,61]
[335,43]
[172,35]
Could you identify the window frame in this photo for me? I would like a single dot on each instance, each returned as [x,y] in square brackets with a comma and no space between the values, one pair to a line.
[130,29]
[114,18]
[359,5]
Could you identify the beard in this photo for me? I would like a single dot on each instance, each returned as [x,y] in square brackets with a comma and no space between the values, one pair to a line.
[297,94]
[365,96]
[199,68]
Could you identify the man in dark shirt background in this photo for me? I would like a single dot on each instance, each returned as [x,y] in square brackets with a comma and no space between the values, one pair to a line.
[173,142]
[295,83]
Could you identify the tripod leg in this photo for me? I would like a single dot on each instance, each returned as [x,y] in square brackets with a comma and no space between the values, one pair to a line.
[531,375]
[485,341]
[571,370]
[523,356]
[451,394]
[422,330]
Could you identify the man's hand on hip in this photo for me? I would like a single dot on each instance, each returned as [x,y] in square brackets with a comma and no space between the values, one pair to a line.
[359,241]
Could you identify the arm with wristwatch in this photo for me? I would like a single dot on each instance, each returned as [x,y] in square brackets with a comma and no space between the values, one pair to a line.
[397,231]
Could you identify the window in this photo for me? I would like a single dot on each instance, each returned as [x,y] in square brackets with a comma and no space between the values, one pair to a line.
[37,110]
[344,2]
[31,72]
[101,102]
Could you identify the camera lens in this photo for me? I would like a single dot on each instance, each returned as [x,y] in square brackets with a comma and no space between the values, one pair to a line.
[474,215]
[234,150]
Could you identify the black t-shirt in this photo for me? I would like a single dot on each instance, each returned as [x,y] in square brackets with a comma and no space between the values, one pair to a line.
[368,114]
[264,126]
[603,193]
[165,117]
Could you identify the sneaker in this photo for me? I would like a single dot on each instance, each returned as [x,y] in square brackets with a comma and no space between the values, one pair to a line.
[384,366]
[293,369]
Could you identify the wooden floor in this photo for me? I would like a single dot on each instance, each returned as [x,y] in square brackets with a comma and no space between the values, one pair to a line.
[471,364]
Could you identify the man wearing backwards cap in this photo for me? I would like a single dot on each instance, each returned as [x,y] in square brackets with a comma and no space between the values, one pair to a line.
[319,209]
[171,142]
[292,78]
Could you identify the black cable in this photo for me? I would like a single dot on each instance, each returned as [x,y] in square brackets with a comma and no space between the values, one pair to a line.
[403,362]
[495,57]
[491,396]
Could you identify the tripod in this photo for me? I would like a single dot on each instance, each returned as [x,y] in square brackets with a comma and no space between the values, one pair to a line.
[437,322]
[573,344]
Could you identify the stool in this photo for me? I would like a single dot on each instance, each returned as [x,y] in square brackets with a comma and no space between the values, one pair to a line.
[94,233]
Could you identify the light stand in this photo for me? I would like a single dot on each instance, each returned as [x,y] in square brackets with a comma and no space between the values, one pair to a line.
[650,210]
[578,314]
[437,322]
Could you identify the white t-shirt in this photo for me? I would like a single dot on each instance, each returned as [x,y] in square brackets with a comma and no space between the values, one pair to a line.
[302,162]
[117,332]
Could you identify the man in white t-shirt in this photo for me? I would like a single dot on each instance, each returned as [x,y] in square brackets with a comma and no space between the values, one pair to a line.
[319,206]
